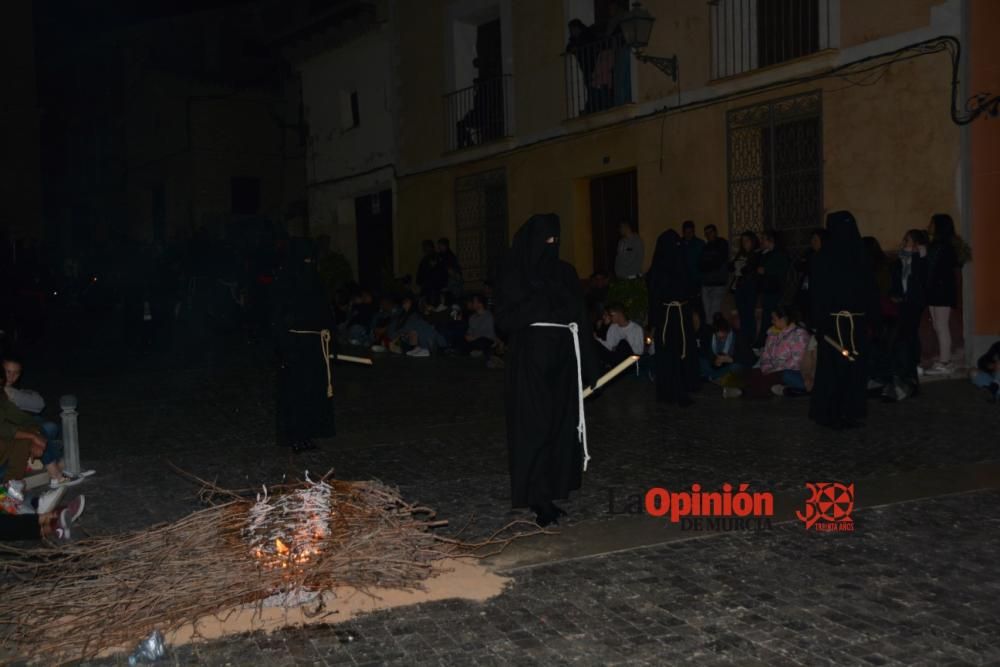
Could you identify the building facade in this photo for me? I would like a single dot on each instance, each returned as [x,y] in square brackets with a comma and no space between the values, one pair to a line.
[345,58]
[472,115]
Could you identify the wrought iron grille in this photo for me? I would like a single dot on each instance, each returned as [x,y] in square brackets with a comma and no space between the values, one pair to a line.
[481,224]
[598,76]
[747,34]
[775,161]
[478,114]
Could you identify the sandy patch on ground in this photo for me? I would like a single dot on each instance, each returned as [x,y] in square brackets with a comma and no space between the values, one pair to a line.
[466,579]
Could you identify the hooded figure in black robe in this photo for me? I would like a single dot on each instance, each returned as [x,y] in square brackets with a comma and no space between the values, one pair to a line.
[541,395]
[845,305]
[303,408]
[669,287]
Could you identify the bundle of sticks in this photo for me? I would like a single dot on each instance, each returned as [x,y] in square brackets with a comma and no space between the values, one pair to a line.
[81,600]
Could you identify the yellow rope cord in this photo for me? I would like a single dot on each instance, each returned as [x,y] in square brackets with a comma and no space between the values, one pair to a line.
[324,342]
[840,336]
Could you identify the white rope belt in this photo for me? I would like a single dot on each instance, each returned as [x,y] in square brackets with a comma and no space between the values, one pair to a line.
[581,425]
[666,320]
[324,342]
[840,336]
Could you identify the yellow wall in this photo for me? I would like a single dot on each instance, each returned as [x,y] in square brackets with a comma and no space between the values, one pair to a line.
[892,168]
[891,152]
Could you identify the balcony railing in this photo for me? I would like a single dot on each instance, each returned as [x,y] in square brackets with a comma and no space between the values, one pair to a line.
[598,76]
[478,114]
[749,34]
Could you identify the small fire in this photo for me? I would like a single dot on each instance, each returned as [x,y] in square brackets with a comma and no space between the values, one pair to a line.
[281,547]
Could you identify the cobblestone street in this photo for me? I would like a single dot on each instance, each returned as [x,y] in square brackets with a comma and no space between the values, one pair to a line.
[916,582]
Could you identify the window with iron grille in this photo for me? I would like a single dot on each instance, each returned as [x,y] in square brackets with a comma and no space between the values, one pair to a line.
[775,168]
[748,34]
[481,225]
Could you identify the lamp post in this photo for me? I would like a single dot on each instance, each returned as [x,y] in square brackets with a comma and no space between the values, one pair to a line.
[636,26]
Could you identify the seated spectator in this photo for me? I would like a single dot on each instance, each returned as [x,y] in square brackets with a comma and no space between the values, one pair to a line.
[25,399]
[780,363]
[488,296]
[382,320]
[411,334]
[718,360]
[987,373]
[624,338]
[53,524]
[21,440]
[359,319]
[602,324]
[480,337]
[702,333]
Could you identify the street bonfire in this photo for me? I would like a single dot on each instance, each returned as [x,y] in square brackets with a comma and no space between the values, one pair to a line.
[290,547]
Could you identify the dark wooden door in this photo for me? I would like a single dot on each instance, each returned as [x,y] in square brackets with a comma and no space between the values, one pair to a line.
[613,200]
[373,214]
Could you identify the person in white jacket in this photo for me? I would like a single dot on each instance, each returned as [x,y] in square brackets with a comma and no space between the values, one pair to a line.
[24,399]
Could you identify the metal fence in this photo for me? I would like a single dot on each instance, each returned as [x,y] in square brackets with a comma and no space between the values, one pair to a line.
[598,76]
[481,225]
[748,34]
[776,168]
[478,114]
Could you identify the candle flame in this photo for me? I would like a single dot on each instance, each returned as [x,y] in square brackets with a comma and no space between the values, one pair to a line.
[281,547]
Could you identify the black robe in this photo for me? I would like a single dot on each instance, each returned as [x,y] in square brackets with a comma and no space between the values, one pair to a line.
[302,408]
[842,280]
[676,357]
[546,456]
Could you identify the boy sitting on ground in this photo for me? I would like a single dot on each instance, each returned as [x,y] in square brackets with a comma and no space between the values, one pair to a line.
[480,336]
[987,373]
[624,338]
[25,399]
[21,440]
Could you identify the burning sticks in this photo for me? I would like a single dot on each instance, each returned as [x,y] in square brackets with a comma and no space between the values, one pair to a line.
[106,594]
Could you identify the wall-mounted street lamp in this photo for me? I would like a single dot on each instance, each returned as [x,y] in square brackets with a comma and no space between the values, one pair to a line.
[636,27]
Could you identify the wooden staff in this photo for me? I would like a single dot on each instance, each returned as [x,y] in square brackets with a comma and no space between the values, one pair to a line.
[840,348]
[364,361]
[611,375]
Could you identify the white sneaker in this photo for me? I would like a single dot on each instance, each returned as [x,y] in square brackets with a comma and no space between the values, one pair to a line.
[74,509]
[778,389]
[63,532]
[939,369]
[50,499]
[83,474]
[419,352]
[920,371]
[731,392]
[66,481]
[378,348]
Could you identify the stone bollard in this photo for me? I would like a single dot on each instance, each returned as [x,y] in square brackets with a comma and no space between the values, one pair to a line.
[70,434]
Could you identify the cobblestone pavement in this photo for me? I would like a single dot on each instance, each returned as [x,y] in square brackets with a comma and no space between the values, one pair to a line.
[915,583]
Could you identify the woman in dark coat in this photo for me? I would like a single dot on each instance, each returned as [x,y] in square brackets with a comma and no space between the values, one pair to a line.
[845,306]
[669,286]
[542,393]
[304,405]
[744,267]
[942,287]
